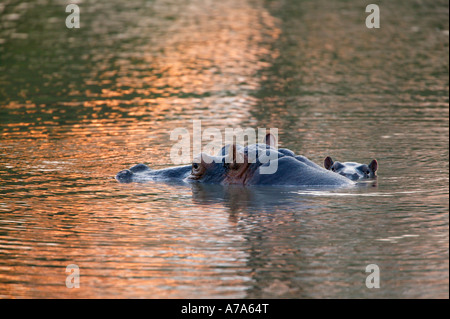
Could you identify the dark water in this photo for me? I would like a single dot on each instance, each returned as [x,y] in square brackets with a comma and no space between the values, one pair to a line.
[79,105]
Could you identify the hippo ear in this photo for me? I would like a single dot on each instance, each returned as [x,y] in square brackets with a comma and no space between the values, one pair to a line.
[328,162]
[270,140]
[373,166]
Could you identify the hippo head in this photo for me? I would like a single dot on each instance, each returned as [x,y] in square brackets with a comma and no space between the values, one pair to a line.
[233,165]
[351,170]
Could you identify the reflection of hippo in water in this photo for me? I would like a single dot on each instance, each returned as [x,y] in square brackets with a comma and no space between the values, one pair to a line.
[351,170]
[257,164]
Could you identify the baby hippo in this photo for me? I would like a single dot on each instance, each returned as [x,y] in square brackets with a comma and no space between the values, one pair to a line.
[351,170]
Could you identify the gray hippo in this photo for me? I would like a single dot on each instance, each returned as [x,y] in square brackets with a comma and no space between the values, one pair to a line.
[256,164]
[351,170]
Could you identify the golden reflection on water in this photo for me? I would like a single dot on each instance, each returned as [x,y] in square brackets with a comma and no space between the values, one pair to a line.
[213,51]
[202,66]
[110,95]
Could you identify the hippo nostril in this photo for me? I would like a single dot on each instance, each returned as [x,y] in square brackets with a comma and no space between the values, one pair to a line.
[124,176]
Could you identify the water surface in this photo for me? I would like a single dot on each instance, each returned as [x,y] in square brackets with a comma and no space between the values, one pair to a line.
[79,105]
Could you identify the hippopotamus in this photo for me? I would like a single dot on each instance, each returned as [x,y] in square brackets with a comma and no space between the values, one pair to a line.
[352,170]
[256,164]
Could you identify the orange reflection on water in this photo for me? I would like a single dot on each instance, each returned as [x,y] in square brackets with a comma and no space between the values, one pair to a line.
[212,48]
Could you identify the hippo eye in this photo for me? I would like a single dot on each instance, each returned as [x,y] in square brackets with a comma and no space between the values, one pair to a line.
[195,166]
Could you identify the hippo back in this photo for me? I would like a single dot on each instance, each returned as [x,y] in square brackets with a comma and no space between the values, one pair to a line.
[294,172]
